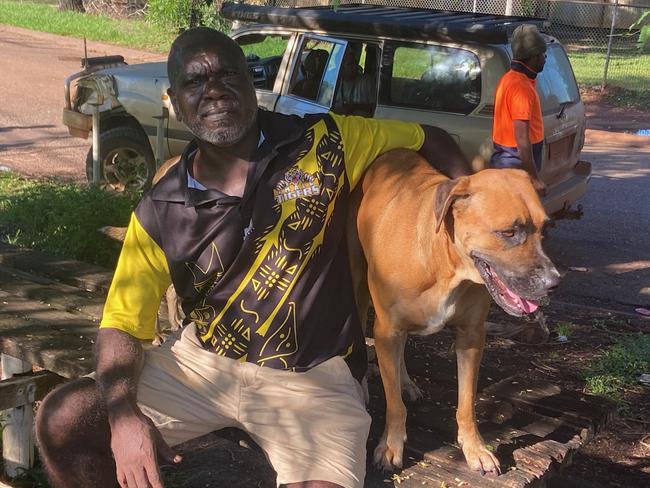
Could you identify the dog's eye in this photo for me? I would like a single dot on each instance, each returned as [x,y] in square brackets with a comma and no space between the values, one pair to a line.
[506,234]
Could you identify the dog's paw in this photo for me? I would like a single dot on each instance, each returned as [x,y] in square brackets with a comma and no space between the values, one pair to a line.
[388,458]
[481,460]
[410,391]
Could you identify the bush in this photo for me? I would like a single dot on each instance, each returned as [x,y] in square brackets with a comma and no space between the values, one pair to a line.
[62,218]
[643,22]
[177,14]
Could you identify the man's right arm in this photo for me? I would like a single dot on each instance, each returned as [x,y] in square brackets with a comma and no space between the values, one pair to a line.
[135,441]
[525,150]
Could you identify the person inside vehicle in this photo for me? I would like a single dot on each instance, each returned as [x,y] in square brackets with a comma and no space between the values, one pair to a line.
[249,228]
[312,69]
[518,129]
[356,93]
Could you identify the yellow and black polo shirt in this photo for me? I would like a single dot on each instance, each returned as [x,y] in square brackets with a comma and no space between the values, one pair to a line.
[265,277]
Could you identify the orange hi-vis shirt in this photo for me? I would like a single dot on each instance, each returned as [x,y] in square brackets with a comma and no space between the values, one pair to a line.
[516,99]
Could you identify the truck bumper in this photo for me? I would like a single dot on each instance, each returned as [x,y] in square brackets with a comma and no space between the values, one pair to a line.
[562,195]
[79,125]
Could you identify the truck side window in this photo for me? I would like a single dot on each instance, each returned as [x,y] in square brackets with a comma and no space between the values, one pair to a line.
[264,53]
[431,77]
[314,76]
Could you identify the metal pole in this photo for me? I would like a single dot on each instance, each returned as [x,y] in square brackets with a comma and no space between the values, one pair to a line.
[160,136]
[609,44]
[96,157]
[508,7]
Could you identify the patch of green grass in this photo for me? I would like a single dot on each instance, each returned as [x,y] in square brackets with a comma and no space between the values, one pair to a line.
[62,218]
[46,18]
[627,69]
[565,329]
[619,367]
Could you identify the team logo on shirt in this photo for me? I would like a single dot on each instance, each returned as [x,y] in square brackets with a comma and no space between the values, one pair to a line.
[296,184]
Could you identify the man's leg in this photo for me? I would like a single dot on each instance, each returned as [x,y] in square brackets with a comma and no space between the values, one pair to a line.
[74,437]
[312,426]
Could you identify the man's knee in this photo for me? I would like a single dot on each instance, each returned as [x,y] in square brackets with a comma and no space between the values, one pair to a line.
[67,413]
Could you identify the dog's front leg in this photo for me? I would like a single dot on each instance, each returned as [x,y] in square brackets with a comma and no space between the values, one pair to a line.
[389,345]
[470,340]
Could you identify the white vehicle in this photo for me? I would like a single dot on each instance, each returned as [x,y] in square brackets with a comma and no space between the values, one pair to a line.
[433,67]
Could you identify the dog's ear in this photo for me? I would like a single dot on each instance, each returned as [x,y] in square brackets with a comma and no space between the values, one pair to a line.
[447,192]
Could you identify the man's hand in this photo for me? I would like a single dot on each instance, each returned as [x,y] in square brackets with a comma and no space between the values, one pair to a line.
[135,442]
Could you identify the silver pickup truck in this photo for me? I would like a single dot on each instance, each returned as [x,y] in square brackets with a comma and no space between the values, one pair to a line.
[433,67]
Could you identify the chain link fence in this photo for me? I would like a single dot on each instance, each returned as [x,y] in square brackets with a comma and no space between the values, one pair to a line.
[600,36]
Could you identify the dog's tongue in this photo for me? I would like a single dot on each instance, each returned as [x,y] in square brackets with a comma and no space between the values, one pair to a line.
[528,306]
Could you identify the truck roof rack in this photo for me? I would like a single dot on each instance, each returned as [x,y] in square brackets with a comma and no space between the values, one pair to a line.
[376,20]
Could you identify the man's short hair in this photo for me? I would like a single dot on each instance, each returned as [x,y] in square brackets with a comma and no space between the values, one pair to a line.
[191,41]
[527,42]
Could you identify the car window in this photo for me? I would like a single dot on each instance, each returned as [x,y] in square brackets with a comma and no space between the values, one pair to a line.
[314,77]
[356,89]
[263,53]
[556,84]
[429,77]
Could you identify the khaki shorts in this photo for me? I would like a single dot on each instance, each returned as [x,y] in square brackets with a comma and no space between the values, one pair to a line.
[311,425]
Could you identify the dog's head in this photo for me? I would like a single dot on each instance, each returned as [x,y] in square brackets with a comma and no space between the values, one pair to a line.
[495,219]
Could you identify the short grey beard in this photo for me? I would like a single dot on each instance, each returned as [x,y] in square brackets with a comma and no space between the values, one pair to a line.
[224,136]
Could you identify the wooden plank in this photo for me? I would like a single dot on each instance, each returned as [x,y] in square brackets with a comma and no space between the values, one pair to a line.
[17,435]
[24,389]
[48,291]
[589,412]
[46,336]
[75,273]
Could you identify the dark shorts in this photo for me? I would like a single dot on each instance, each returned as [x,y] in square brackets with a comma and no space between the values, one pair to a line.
[508,157]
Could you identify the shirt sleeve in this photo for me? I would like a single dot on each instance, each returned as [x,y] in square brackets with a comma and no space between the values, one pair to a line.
[364,139]
[521,105]
[141,278]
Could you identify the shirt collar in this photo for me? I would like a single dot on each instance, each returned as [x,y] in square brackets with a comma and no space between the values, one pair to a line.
[520,67]
[276,130]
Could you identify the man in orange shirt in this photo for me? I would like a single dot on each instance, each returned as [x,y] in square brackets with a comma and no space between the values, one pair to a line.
[518,130]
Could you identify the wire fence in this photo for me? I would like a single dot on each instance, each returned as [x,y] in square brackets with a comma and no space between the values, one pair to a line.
[604,44]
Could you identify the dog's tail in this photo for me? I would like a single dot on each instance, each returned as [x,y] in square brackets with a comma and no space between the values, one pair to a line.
[117,233]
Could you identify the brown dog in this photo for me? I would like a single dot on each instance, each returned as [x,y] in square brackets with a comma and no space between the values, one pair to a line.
[435,250]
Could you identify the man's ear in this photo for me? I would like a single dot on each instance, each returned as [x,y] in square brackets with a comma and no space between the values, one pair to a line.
[446,194]
[172,99]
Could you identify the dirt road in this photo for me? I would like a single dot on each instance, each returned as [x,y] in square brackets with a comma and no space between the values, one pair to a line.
[33,141]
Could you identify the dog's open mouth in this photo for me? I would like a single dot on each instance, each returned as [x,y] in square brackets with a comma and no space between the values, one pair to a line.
[506,298]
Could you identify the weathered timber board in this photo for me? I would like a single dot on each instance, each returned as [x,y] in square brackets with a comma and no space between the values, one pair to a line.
[46,336]
[49,291]
[24,389]
[83,275]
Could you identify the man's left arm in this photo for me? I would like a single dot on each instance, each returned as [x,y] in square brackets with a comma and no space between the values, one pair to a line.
[443,152]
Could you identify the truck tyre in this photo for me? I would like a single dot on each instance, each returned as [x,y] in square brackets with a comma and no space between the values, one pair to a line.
[126,160]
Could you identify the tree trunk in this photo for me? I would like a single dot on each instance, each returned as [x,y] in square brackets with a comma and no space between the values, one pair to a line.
[74,5]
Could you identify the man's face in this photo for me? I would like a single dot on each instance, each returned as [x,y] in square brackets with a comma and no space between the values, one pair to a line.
[214,96]
[540,61]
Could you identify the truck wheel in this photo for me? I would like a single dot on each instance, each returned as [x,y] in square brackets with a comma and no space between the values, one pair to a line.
[126,160]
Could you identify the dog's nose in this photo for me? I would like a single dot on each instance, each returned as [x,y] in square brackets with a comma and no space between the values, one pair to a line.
[551,278]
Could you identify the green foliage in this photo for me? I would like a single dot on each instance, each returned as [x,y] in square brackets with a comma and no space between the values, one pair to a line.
[643,22]
[176,14]
[619,367]
[565,329]
[46,18]
[62,218]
